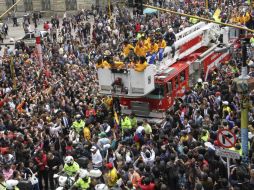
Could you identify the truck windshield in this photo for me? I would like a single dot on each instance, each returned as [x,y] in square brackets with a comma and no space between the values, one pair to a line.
[157,93]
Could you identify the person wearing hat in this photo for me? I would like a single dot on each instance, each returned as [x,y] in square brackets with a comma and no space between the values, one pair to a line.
[83,181]
[96,157]
[225,108]
[79,124]
[70,166]
[170,39]
[111,176]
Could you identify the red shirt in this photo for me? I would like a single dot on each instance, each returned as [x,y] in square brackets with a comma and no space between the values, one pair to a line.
[90,112]
[46,26]
[151,186]
[138,27]
[41,161]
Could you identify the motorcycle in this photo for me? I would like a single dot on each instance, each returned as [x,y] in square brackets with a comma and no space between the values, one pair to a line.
[64,181]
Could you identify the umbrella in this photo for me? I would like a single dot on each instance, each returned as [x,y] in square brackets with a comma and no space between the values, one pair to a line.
[149,11]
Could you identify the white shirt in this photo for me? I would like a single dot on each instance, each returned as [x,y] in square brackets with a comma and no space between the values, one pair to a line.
[140,129]
[54,130]
[97,159]
[148,161]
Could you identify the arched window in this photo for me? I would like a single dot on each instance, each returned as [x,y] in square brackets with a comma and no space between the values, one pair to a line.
[71,5]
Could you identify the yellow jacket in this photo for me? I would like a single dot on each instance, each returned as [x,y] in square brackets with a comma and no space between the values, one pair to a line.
[118,64]
[154,48]
[104,64]
[245,18]
[112,177]
[127,49]
[140,67]
[193,20]
[140,51]
[162,44]
[147,44]
[87,133]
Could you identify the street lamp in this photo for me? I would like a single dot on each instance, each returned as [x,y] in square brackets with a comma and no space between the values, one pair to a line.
[244,85]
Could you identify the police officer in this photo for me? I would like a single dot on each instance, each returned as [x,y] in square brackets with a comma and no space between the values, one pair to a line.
[83,181]
[70,166]
[79,124]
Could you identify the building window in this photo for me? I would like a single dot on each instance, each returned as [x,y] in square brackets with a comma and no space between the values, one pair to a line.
[71,5]
[45,4]
[9,3]
[28,4]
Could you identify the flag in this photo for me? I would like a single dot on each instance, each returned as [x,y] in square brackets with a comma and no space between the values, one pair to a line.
[116,118]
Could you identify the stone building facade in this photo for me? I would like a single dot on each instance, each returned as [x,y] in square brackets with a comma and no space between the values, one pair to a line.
[48,5]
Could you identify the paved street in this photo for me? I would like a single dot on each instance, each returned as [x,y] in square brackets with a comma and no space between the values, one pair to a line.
[15,33]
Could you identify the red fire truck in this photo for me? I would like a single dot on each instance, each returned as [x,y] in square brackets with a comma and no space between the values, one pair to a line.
[198,49]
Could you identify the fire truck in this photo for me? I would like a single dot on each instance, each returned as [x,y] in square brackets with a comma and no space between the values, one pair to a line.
[198,50]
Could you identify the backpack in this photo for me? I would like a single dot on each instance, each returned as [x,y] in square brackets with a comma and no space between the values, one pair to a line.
[136,138]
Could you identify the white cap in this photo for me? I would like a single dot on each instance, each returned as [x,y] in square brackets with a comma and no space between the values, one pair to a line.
[93,148]
[95,173]
[225,103]
[101,187]
[170,30]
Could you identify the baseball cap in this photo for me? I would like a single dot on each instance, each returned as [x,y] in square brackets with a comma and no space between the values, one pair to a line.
[93,148]
[109,165]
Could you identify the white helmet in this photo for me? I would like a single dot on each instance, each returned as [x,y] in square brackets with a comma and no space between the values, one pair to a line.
[68,160]
[83,173]
[200,80]
[101,187]
[170,30]
[10,184]
[96,173]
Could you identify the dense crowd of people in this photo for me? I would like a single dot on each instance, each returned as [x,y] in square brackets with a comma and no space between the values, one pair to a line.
[54,121]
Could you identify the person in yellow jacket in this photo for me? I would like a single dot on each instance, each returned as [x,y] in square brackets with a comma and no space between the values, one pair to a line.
[102,64]
[127,48]
[244,17]
[111,176]
[153,51]
[193,20]
[147,43]
[118,65]
[87,133]
[162,45]
[140,49]
[141,65]
[78,125]
[205,135]
[225,108]
[125,123]
[83,181]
